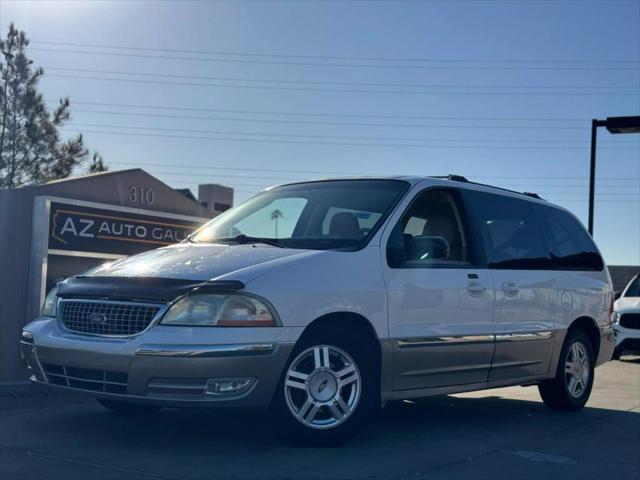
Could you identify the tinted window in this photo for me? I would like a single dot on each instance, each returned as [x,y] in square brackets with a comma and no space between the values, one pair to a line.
[432,231]
[511,232]
[571,246]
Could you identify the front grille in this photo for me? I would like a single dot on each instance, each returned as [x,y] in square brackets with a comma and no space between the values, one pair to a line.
[86,379]
[630,320]
[107,318]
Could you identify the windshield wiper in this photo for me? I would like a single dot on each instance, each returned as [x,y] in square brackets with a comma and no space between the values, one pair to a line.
[243,239]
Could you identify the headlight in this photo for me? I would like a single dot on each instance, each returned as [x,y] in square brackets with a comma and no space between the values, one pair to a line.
[50,303]
[615,318]
[220,310]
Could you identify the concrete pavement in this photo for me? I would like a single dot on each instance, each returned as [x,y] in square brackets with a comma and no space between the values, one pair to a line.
[501,433]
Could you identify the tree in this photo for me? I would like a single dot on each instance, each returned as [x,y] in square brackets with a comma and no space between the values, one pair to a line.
[97,164]
[275,215]
[31,150]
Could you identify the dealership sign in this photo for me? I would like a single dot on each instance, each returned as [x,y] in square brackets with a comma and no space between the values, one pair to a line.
[87,229]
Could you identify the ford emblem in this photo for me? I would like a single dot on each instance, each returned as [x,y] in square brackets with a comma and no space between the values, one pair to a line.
[98,318]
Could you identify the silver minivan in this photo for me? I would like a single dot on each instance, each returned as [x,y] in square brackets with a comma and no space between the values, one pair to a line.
[324,300]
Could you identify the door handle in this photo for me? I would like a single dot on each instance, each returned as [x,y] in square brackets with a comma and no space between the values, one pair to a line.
[510,289]
[475,289]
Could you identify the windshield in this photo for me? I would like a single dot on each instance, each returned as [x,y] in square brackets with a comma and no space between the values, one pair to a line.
[337,214]
[633,290]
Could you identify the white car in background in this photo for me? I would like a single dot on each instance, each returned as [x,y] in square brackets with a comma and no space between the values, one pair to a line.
[627,319]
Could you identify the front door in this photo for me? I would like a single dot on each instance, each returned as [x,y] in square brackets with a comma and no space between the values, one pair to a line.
[440,302]
[525,286]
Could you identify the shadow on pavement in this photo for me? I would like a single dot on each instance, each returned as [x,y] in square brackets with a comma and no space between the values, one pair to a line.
[483,435]
[406,422]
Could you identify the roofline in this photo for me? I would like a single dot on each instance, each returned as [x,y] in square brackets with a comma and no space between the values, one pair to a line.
[416,179]
[460,178]
[86,176]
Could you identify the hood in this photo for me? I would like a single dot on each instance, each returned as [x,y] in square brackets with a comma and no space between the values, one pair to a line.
[627,304]
[189,261]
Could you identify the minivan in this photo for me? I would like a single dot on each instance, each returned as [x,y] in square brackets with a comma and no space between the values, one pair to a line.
[321,301]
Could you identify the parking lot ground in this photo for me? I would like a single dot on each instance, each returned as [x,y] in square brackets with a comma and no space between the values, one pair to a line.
[501,433]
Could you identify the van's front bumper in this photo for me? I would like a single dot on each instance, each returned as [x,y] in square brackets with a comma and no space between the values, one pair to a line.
[171,366]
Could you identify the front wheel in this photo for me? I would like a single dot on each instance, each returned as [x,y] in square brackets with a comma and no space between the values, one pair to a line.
[571,387]
[328,389]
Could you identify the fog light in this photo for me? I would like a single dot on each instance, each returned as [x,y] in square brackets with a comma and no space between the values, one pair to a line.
[228,386]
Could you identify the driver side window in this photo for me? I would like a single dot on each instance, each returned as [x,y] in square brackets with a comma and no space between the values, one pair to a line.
[433,230]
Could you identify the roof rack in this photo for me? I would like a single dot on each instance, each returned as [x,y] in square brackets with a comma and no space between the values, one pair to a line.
[460,178]
[532,195]
[455,178]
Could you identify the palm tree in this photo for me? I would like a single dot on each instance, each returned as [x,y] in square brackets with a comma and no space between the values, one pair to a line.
[275,215]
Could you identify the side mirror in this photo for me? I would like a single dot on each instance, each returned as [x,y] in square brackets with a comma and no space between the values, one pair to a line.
[617,294]
[396,248]
[425,247]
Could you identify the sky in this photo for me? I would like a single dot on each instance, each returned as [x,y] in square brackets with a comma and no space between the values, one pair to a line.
[254,93]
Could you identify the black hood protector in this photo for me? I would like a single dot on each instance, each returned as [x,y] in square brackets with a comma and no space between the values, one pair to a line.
[152,289]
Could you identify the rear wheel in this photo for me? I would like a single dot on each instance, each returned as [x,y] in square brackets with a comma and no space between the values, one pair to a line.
[571,387]
[124,408]
[328,390]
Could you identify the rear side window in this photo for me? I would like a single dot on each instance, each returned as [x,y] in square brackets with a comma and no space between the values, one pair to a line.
[511,232]
[571,246]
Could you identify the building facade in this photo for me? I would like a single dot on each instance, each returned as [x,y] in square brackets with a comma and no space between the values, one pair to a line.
[51,231]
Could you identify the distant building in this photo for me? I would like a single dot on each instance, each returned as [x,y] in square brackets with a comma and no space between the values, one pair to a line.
[215,198]
[622,274]
[187,193]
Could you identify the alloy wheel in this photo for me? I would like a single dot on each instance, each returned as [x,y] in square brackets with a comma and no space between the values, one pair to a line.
[577,370]
[322,387]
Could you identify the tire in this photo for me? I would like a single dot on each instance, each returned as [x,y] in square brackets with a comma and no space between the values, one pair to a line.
[128,409]
[326,403]
[617,353]
[571,387]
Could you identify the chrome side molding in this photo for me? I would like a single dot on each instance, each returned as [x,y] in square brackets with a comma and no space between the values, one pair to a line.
[524,336]
[234,350]
[449,340]
[466,339]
